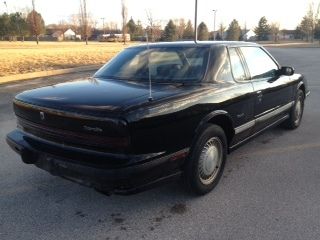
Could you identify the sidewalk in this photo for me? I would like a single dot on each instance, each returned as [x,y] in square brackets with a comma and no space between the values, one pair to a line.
[33,75]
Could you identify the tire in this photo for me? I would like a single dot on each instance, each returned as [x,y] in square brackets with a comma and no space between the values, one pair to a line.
[296,112]
[206,161]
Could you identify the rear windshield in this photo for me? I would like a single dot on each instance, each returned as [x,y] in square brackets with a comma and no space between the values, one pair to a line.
[164,64]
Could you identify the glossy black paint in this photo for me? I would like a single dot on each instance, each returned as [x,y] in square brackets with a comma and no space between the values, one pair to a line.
[160,131]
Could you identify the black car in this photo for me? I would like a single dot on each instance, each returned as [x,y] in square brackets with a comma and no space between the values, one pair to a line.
[157,112]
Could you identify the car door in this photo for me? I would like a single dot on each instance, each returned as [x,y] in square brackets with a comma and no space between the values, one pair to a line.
[242,107]
[273,92]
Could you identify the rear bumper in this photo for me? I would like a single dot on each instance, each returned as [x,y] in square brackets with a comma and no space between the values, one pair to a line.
[118,173]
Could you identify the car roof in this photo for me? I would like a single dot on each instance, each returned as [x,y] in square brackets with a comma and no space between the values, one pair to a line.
[198,44]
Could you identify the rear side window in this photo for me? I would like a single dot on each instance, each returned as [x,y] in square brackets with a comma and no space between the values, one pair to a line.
[259,63]
[236,65]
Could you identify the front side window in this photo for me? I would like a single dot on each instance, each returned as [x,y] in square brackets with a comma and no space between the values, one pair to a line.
[236,65]
[259,63]
[164,64]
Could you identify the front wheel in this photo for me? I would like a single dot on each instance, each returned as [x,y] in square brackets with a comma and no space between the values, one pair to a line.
[296,112]
[206,161]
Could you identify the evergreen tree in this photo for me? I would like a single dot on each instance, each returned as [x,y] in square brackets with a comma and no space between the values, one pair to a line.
[203,33]
[263,29]
[170,32]
[218,36]
[234,31]
[132,27]
[317,30]
[139,29]
[13,25]
[18,25]
[306,28]
[188,33]
[4,25]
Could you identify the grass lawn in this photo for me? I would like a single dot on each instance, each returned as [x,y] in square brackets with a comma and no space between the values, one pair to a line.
[25,57]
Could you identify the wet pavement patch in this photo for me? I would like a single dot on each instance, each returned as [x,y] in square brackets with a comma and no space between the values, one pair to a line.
[123,228]
[179,208]
[117,219]
[80,214]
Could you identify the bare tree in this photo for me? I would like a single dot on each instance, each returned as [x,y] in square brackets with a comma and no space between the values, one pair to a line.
[308,22]
[124,14]
[222,29]
[112,27]
[157,32]
[75,23]
[181,26]
[313,15]
[84,23]
[151,24]
[275,30]
[35,22]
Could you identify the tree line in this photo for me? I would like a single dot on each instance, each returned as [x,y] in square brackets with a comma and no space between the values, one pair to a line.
[19,25]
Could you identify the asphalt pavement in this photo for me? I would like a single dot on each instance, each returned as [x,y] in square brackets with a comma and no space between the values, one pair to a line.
[270,188]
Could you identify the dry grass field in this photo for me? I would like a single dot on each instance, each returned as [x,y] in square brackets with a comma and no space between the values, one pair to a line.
[25,57]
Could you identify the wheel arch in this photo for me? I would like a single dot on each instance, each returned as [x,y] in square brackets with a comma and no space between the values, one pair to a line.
[302,87]
[222,119]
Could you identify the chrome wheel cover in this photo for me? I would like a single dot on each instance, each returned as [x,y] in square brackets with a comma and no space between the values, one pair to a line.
[210,160]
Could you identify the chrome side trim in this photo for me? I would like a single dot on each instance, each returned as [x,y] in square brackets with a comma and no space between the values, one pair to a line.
[275,112]
[263,118]
[245,127]
[257,133]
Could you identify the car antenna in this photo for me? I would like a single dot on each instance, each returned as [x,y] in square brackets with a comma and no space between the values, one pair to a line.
[195,21]
[150,83]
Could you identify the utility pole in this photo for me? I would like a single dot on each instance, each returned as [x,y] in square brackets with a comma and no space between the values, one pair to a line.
[104,32]
[214,24]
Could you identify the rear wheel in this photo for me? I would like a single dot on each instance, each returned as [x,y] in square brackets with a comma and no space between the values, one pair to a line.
[296,112]
[206,161]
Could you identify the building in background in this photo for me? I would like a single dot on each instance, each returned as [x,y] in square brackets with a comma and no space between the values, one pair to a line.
[70,35]
[249,35]
[117,37]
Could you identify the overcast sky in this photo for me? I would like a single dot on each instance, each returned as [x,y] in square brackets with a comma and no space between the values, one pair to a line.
[287,12]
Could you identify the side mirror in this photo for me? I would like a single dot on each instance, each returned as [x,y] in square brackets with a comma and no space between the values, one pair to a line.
[287,71]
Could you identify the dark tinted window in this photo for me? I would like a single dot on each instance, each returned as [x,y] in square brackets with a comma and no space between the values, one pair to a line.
[166,64]
[236,65]
[259,63]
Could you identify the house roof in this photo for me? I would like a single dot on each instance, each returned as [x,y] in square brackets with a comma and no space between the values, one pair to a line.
[69,32]
[57,34]
[285,31]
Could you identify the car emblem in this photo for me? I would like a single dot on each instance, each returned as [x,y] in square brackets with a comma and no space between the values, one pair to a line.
[92,129]
[42,116]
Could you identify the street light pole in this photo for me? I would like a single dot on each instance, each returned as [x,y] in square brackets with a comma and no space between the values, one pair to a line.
[214,24]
